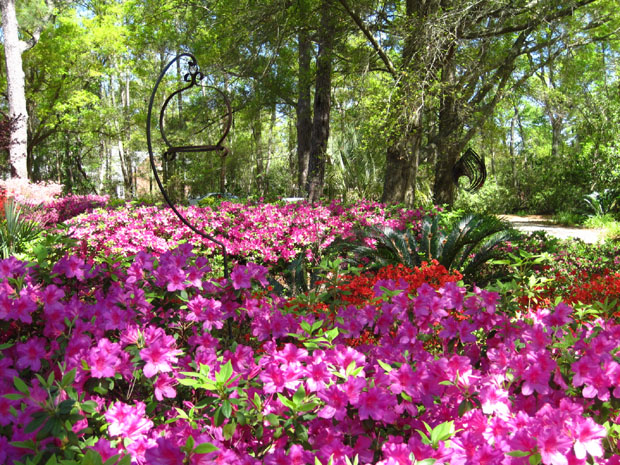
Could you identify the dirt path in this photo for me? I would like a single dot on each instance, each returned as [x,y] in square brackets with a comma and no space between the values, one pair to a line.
[541,223]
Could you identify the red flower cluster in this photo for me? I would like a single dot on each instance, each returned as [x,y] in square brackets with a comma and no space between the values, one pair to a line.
[597,287]
[359,289]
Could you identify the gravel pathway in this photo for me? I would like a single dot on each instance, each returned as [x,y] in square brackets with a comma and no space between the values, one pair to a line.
[540,223]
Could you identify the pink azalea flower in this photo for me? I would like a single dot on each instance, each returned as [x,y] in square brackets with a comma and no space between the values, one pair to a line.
[23,307]
[553,447]
[376,404]
[336,402]
[276,379]
[317,376]
[30,353]
[159,358]
[164,387]
[241,278]
[127,421]
[166,452]
[588,435]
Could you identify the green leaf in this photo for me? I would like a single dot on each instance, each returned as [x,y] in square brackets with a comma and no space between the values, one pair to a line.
[286,402]
[224,374]
[299,395]
[518,453]
[226,408]
[112,460]
[229,430]
[29,444]
[36,422]
[273,419]
[88,406]
[68,379]
[385,366]
[21,386]
[535,459]
[66,406]
[205,448]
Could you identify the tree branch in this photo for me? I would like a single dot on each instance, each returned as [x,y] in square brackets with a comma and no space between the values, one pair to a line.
[376,45]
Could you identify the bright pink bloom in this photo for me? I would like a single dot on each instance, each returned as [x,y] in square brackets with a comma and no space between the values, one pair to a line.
[553,447]
[241,278]
[167,452]
[127,421]
[164,387]
[276,379]
[588,435]
[376,404]
[159,355]
[30,353]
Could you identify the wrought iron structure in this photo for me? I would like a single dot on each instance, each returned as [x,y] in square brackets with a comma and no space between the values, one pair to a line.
[471,166]
[193,78]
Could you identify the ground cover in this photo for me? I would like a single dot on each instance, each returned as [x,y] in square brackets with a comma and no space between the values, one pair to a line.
[152,358]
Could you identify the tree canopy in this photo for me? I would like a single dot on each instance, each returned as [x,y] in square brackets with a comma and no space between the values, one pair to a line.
[331,98]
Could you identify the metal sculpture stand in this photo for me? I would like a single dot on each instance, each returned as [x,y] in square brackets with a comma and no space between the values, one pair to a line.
[472,167]
[193,77]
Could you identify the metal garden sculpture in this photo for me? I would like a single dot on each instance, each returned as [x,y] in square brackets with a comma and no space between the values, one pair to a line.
[192,78]
[471,166]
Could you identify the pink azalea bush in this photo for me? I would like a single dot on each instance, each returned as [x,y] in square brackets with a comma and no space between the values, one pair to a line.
[43,203]
[262,232]
[152,361]
[29,193]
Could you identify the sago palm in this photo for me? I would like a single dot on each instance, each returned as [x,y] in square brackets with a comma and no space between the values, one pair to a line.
[465,244]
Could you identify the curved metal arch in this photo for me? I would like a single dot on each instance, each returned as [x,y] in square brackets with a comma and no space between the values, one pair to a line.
[193,77]
[471,166]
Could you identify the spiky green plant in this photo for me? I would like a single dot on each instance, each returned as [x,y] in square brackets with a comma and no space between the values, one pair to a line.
[602,203]
[466,244]
[15,231]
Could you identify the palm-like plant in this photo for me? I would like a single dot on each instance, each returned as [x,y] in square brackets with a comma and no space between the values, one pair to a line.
[465,244]
[15,231]
[602,202]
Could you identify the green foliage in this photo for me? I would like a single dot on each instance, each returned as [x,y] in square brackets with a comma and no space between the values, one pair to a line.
[599,221]
[466,244]
[492,198]
[54,417]
[568,218]
[602,203]
[16,233]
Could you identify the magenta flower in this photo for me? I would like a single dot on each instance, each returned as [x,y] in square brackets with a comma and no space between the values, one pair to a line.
[30,353]
[71,267]
[104,359]
[167,452]
[241,278]
[276,379]
[560,316]
[376,404]
[553,447]
[317,376]
[164,387]
[159,357]
[127,421]
[336,402]
[588,435]
[23,307]
[6,307]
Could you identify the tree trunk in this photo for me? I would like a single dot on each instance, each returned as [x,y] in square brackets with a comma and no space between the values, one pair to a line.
[322,104]
[13,49]
[396,177]
[303,110]
[449,141]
